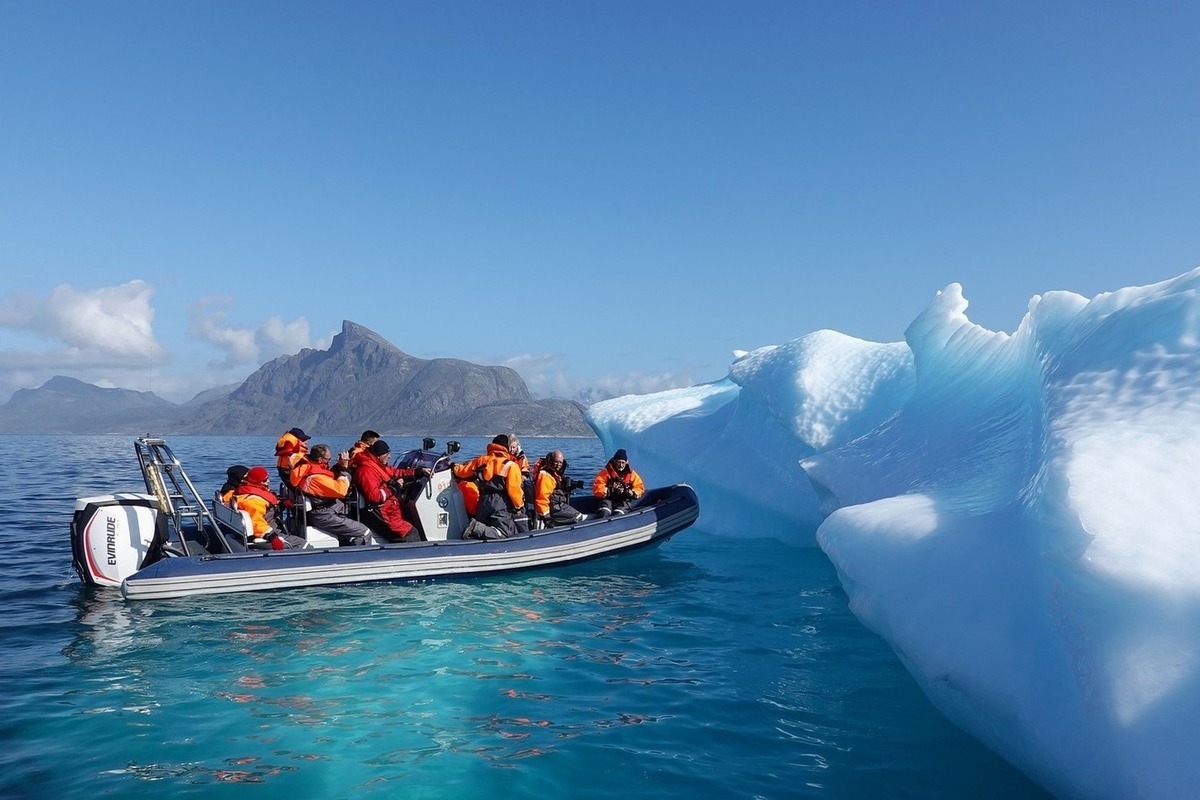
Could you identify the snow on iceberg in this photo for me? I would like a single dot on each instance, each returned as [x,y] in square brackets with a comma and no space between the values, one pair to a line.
[1015,514]
[738,441]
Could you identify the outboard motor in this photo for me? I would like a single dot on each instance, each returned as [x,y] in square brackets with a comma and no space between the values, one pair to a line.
[115,535]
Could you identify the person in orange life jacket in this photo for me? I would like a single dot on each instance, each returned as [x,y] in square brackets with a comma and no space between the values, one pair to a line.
[326,489]
[465,477]
[233,479]
[255,497]
[469,490]
[501,507]
[291,447]
[363,444]
[381,485]
[552,501]
[617,485]
[517,453]
[522,461]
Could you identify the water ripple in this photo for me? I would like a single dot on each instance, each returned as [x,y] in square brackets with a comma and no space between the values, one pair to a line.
[709,667]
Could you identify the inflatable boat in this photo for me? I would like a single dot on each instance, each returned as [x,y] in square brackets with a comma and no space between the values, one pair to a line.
[171,542]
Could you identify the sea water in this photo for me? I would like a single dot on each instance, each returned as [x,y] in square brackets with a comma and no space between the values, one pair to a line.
[716,665]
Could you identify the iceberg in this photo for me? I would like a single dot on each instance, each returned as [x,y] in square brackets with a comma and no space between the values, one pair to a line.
[1015,514]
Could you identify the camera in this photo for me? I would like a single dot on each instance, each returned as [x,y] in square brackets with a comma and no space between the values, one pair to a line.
[572,485]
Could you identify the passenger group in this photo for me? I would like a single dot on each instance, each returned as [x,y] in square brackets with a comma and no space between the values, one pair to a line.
[501,492]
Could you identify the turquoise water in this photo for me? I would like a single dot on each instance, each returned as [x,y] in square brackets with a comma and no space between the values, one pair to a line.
[713,666]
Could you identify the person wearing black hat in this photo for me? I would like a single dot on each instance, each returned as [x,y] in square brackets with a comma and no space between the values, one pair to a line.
[381,486]
[233,479]
[500,511]
[291,447]
[617,485]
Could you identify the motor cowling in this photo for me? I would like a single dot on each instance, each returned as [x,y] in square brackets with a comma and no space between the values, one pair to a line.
[112,536]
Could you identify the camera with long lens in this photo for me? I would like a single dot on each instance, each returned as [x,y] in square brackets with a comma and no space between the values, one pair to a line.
[617,490]
[572,485]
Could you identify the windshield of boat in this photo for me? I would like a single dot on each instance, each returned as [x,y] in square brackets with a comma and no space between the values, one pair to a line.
[423,458]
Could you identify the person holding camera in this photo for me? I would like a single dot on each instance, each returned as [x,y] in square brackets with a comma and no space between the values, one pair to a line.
[617,485]
[326,489]
[552,492]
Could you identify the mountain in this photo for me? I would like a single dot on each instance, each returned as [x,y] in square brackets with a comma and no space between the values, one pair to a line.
[215,393]
[362,381]
[66,405]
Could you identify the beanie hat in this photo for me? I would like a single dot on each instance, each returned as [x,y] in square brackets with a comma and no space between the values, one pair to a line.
[257,475]
[380,447]
[501,439]
[620,455]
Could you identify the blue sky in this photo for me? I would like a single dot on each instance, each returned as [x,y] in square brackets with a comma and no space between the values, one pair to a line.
[609,195]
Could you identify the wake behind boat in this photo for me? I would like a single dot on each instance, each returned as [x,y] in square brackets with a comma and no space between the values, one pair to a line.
[170,542]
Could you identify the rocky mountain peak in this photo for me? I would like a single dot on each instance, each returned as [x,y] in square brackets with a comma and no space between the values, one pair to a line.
[362,381]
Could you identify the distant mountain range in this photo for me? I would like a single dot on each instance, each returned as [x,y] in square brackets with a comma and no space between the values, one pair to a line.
[362,381]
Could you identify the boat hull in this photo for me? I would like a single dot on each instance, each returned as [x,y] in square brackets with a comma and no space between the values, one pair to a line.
[676,509]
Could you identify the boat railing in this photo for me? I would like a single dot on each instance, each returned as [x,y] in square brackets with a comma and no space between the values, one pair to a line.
[177,496]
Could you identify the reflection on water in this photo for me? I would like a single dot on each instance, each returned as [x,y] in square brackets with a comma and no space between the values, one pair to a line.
[423,666]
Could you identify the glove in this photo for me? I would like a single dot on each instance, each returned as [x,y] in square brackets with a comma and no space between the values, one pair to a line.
[277,542]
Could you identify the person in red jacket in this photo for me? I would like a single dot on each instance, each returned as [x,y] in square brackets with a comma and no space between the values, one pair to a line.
[380,486]
[617,485]
[326,490]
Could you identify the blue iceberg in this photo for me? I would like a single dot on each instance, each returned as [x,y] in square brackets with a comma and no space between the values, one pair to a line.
[1015,514]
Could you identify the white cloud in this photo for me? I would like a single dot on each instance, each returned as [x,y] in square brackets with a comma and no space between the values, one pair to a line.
[101,325]
[277,338]
[95,335]
[105,337]
[206,323]
[243,345]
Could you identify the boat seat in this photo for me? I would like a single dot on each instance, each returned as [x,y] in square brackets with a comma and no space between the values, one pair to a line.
[296,507]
